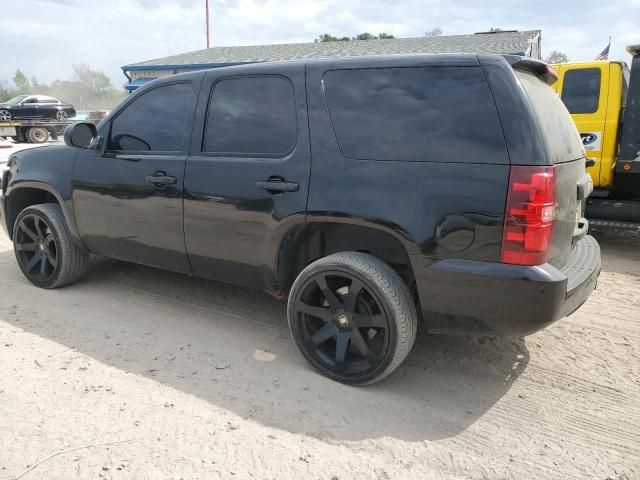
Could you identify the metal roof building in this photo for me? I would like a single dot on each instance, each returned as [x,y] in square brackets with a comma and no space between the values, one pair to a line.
[505,42]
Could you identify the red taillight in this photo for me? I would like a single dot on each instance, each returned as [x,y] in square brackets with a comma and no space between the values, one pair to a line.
[529,215]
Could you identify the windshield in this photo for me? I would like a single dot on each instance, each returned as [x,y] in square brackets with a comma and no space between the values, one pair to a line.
[16,100]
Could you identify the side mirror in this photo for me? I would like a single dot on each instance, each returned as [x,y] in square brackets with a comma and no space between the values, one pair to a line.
[80,134]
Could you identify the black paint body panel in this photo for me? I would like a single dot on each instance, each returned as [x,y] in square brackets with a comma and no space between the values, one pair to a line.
[218,221]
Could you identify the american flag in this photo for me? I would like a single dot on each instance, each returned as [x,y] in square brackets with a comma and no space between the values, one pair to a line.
[604,54]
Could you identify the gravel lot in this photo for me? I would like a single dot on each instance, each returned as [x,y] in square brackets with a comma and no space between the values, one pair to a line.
[139,373]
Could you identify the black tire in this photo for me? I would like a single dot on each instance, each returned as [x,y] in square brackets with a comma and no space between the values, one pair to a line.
[61,116]
[38,135]
[5,115]
[381,314]
[44,249]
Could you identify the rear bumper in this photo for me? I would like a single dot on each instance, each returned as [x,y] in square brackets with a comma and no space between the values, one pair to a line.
[467,296]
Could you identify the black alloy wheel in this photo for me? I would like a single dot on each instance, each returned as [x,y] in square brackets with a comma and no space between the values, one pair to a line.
[44,248]
[36,248]
[352,317]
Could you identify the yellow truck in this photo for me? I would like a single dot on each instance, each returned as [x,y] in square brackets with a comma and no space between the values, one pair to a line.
[603,98]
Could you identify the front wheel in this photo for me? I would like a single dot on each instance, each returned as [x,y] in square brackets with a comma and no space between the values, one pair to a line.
[61,115]
[44,249]
[352,317]
[5,116]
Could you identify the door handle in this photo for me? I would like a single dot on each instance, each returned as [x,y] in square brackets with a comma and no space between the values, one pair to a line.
[278,186]
[160,179]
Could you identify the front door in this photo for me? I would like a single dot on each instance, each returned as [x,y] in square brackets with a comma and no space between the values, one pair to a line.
[128,194]
[246,180]
[28,108]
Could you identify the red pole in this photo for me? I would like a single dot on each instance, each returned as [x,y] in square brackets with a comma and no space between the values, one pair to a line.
[207,20]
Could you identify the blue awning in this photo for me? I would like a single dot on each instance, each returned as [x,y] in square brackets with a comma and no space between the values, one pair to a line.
[138,82]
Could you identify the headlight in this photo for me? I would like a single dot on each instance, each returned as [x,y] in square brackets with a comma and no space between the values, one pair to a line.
[13,162]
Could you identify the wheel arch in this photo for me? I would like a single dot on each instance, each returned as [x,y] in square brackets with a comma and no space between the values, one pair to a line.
[26,194]
[308,241]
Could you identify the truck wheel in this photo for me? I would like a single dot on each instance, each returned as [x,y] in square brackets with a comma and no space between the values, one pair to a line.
[38,135]
[45,252]
[352,317]
[5,116]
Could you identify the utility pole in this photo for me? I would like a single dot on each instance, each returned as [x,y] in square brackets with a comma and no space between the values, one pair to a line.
[207,20]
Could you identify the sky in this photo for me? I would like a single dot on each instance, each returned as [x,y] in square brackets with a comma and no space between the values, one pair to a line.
[44,38]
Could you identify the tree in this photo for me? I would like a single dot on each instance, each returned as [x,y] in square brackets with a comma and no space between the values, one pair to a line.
[326,37]
[89,90]
[365,36]
[434,32]
[557,57]
[21,82]
[6,91]
[95,82]
[37,87]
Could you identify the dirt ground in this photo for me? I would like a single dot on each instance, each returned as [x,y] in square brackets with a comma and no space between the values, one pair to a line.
[139,373]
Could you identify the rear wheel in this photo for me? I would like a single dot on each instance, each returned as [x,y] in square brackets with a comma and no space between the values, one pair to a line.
[38,135]
[5,115]
[352,317]
[45,252]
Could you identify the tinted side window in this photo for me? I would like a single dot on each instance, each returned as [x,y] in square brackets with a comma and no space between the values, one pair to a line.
[251,116]
[581,90]
[426,114]
[154,121]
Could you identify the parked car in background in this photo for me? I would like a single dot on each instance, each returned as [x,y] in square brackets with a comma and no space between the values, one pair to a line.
[450,188]
[29,107]
[96,116]
[80,117]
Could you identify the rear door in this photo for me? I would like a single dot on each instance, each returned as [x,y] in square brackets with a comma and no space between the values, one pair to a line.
[246,180]
[583,89]
[46,107]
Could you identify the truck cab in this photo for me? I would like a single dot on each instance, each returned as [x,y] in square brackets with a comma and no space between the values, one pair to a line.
[595,95]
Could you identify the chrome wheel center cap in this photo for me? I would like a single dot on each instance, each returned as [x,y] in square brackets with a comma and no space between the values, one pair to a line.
[343,321]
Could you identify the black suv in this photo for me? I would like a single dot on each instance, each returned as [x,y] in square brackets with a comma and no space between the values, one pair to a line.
[373,191]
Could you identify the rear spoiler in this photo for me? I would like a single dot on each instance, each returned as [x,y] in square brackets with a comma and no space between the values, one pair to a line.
[540,68]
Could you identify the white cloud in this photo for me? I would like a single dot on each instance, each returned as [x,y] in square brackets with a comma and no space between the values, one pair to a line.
[45,37]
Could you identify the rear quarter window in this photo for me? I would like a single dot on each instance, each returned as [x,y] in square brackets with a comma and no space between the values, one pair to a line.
[416,114]
[555,122]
